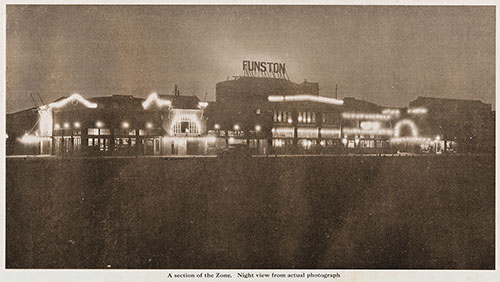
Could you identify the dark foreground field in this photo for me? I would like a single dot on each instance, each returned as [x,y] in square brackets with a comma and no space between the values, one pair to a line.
[312,212]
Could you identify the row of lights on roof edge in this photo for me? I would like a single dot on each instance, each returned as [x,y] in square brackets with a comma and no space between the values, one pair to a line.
[237,127]
[98,124]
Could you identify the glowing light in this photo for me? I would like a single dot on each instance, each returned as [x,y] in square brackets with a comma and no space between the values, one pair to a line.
[344,141]
[411,140]
[236,127]
[99,124]
[329,132]
[417,111]
[74,97]
[439,138]
[32,139]
[125,124]
[184,115]
[66,125]
[217,126]
[191,138]
[405,122]
[299,118]
[258,128]
[286,132]
[57,126]
[303,98]
[366,116]
[289,120]
[322,143]
[46,122]
[359,131]
[76,124]
[307,132]
[153,98]
[231,140]
[203,104]
[283,129]
[393,112]
[370,125]
[356,141]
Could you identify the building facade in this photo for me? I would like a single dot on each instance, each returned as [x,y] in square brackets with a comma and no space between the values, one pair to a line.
[269,115]
[114,125]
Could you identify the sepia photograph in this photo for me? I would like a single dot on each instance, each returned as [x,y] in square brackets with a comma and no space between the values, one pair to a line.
[250,137]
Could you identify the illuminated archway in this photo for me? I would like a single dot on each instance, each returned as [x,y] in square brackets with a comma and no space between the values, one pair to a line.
[405,122]
[183,124]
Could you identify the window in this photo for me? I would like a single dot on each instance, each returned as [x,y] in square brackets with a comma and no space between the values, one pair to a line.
[330,118]
[283,132]
[131,132]
[185,125]
[105,131]
[119,131]
[350,144]
[282,142]
[330,133]
[367,144]
[93,131]
[306,143]
[306,117]
[307,132]
[77,142]
[253,143]
[282,117]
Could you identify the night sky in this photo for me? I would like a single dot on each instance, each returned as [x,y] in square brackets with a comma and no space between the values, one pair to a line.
[386,55]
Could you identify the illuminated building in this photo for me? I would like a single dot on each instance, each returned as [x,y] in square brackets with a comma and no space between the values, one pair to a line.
[462,125]
[269,115]
[295,118]
[112,125]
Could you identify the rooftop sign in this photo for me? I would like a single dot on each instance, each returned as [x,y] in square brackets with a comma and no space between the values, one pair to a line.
[264,69]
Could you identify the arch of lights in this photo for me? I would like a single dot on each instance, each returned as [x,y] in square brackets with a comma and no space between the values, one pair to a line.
[413,139]
[405,122]
[193,120]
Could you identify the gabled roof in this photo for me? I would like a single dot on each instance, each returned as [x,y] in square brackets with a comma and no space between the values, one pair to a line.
[181,101]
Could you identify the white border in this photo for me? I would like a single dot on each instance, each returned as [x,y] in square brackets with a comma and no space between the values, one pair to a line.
[161,275]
